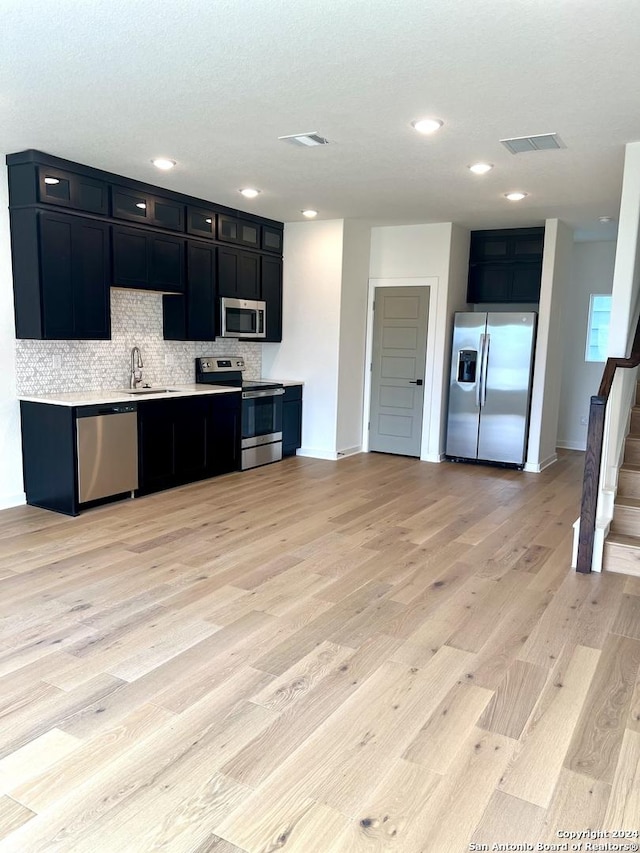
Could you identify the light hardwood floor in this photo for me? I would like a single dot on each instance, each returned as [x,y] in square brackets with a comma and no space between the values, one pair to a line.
[372,655]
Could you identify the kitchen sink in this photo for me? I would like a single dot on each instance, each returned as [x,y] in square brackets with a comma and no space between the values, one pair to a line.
[138,391]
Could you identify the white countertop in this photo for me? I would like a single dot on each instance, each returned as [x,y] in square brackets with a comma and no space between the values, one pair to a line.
[119,395]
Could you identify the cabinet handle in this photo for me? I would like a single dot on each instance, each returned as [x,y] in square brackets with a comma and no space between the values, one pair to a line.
[415,382]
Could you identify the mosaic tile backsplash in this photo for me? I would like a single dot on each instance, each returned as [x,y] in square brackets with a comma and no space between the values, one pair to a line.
[44,367]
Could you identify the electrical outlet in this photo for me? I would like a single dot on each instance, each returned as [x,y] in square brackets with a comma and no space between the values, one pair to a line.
[584,420]
[57,360]
[168,359]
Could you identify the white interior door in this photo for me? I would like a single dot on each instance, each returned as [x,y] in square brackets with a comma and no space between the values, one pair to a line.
[398,369]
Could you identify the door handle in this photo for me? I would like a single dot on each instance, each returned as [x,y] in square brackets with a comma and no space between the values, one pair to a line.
[415,382]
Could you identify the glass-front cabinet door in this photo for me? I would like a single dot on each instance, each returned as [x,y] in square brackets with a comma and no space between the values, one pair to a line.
[138,206]
[201,222]
[66,189]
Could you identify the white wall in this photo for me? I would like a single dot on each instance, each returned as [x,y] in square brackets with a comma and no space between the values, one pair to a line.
[626,276]
[547,371]
[438,256]
[11,486]
[309,350]
[456,295]
[353,317]
[591,272]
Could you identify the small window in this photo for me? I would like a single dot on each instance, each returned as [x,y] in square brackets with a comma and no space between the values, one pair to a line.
[598,328]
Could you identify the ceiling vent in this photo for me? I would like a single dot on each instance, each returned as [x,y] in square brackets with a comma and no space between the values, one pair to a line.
[542,142]
[307,140]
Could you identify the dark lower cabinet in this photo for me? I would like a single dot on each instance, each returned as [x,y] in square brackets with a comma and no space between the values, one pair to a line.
[144,260]
[61,276]
[187,439]
[223,435]
[49,456]
[291,420]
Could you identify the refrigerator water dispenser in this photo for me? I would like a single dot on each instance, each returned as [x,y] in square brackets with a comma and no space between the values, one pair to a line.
[467,360]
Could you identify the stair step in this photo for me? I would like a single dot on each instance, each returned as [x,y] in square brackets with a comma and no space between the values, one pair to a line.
[626,516]
[628,501]
[632,450]
[629,480]
[622,554]
[634,428]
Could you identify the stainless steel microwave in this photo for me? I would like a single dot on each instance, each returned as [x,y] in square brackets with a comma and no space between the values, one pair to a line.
[243,318]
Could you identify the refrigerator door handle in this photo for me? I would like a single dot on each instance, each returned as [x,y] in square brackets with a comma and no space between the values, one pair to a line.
[479,378]
[484,367]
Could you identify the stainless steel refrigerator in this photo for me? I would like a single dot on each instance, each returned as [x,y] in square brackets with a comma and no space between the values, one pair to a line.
[490,388]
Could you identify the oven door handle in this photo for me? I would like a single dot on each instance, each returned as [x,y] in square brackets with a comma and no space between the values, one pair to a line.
[271,392]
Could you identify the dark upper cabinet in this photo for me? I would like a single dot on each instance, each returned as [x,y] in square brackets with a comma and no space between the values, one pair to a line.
[146,208]
[193,317]
[238,274]
[61,276]
[526,282]
[507,282]
[528,246]
[232,230]
[510,244]
[271,239]
[271,292]
[201,223]
[505,265]
[145,260]
[67,189]
[201,291]
[143,254]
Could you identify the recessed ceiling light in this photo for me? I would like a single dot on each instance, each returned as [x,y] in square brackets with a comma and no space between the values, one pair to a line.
[141,205]
[309,213]
[249,192]
[605,219]
[517,196]
[52,180]
[427,125]
[163,163]
[481,168]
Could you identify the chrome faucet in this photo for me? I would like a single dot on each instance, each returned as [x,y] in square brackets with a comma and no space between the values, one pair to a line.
[136,368]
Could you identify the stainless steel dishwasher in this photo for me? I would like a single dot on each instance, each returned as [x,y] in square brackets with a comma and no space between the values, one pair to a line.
[107,437]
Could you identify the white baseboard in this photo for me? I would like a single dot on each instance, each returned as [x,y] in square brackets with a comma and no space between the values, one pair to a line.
[433,457]
[7,501]
[571,445]
[349,451]
[537,467]
[316,453]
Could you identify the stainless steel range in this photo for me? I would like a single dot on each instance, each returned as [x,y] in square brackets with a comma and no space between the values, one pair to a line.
[261,408]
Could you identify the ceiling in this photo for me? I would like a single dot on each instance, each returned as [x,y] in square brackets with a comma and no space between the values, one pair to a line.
[212,84]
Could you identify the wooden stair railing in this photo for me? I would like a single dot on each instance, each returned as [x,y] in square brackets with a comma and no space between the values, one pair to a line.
[593,457]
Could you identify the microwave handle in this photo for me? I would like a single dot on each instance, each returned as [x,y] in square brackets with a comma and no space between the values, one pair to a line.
[261,322]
